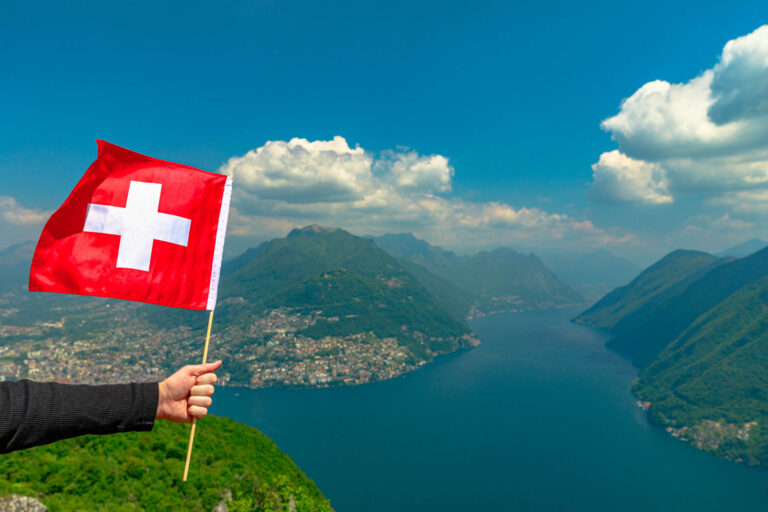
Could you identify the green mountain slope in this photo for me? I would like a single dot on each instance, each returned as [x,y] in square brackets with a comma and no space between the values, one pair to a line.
[645,339]
[712,380]
[142,472]
[667,277]
[456,299]
[697,327]
[395,308]
[493,281]
[305,253]
[342,285]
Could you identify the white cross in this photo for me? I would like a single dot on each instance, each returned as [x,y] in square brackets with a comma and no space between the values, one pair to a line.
[139,224]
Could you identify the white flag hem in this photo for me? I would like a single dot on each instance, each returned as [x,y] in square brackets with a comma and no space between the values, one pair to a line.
[218,253]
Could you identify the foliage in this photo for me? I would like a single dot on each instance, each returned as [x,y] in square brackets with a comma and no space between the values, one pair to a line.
[717,369]
[698,328]
[667,277]
[142,471]
[356,286]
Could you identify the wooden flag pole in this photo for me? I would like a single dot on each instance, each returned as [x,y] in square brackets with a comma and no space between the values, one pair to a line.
[194,421]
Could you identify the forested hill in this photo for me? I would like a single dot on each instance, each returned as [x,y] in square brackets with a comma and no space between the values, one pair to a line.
[348,284]
[667,277]
[487,282]
[697,326]
[324,283]
[232,463]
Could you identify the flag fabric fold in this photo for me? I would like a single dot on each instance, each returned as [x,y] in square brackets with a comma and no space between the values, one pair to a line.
[137,228]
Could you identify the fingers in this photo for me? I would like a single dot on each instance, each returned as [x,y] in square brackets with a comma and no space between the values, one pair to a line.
[202,369]
[202,401]
[197,411]
[199,400]
[202,390]
[208,378]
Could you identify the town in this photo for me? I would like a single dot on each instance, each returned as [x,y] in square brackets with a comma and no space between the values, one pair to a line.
[116,344]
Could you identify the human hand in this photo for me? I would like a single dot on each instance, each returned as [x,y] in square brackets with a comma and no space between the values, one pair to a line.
[186,395]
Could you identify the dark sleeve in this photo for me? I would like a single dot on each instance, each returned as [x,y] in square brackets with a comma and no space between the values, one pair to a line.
[33,413]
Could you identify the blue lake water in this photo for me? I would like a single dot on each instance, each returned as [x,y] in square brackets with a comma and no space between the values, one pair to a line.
[538,417]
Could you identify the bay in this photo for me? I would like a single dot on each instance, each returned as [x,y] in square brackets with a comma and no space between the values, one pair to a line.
[538,417]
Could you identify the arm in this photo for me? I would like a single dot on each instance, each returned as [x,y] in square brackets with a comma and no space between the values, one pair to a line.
[34,413]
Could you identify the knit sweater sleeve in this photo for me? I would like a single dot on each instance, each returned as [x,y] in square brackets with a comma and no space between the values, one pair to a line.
[35,413]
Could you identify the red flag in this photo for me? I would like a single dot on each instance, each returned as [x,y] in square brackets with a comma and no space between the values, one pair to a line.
[137,228]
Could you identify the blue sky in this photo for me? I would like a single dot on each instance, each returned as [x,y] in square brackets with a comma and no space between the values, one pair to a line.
[511,94]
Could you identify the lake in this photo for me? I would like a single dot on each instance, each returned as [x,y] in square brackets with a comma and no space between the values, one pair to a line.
[538,417]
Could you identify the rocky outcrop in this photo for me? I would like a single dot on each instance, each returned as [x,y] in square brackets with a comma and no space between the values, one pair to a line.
[18,503]
[226,500]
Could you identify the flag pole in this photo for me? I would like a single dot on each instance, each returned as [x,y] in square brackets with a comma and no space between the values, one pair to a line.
[194,421]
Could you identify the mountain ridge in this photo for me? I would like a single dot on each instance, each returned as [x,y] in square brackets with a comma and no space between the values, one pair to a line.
[495,281]
[697,327]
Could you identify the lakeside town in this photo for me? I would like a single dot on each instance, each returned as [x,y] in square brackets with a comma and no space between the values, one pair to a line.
[269,351]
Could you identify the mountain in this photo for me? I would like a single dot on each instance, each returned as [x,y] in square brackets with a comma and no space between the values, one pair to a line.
[664,278]
[593,274]
[347,285]
[696,325]
[645,338]
[745,248]
[710,384]
[234,464]
[487,282]
[405,246]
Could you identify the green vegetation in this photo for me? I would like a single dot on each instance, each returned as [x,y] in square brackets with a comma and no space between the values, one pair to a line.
[667,277]
[457,300]
[304,254]
[142,471]
[352,285]
[697,326]
[717,370]
[353,304]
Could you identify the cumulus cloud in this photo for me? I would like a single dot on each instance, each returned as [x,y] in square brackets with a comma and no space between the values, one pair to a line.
[411,171]
[299,171]
[287,184]
[621,178]
[705,136]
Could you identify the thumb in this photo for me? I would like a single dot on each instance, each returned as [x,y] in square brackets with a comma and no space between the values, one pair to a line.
[202,369]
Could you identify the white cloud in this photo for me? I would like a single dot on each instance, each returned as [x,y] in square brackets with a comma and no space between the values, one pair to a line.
[299,171]
[618,177]
[411,171]
[289,184]
[705,136]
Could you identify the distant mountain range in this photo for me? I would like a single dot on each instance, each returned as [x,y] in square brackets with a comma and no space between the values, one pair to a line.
[745,248]
[485,283]
[697,327]
[592,274]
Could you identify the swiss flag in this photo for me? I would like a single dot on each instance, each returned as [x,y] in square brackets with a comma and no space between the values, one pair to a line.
[137,228]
